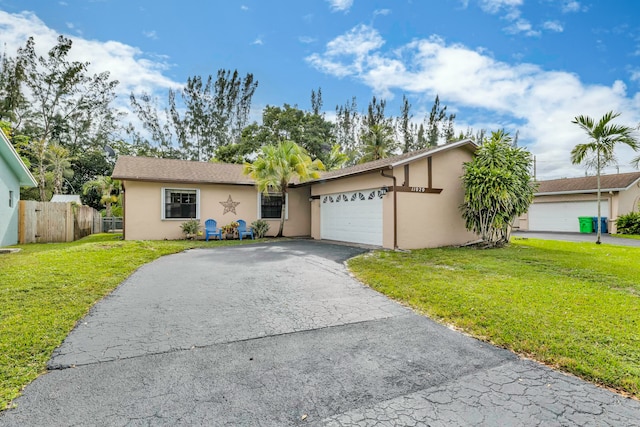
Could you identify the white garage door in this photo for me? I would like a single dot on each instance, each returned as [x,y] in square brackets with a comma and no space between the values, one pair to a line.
[352,217]
[563,216]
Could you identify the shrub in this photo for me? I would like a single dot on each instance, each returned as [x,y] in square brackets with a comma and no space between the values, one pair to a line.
[260,228]
[191,227]
[629,223]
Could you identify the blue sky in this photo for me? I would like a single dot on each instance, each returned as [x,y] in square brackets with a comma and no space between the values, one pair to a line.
[527,65]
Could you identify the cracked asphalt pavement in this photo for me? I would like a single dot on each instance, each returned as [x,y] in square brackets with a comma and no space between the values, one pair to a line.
[280,334]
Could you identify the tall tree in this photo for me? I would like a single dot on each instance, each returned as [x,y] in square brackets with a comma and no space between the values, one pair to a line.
[277,165]
[316,101]
[603,138]
[405,126]
[347,129]
[59,163]
[66,104]
[497,189]
[107,188]
[377,143]
[215,113]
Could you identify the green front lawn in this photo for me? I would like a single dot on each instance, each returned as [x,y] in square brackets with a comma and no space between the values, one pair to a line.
[574,306]
[46,288]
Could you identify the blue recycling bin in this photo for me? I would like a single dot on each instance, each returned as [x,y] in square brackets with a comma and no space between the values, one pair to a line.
[603,224]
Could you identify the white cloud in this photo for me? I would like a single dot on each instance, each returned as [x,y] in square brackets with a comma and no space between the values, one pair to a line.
[522,26]
[553,26]
[538,102]
[340,5]
[571,6]
[63,3]
[153,35]
[382,12]
[258,41]
[495,6]
[244,7]
[307,39]
[135,71]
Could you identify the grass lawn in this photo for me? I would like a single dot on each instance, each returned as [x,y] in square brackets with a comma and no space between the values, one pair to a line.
[626,236]
[574,306]
[46,288]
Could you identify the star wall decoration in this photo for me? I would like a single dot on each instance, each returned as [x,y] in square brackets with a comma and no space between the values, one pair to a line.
[229,205]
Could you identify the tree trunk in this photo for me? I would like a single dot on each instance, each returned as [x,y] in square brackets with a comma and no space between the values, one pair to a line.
[598,225]
[282,213]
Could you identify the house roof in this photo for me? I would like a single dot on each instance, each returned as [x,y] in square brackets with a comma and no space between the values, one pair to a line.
[20,170]
[170,170]
[66,198]
[588,184]
[394,161]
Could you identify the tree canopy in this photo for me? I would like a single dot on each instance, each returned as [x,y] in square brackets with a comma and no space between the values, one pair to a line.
[497,188]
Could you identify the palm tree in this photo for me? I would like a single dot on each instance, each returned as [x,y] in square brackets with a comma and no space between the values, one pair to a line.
[603,137]
[105,186]
[59,163]
[277,165]
[378,143]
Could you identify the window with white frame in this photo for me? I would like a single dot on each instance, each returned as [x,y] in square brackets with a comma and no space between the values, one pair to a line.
[180,203]
[270,206]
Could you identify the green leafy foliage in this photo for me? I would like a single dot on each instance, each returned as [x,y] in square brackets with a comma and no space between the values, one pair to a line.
[277,165]
[190,228]
[573,306]
[260,228]
[629,223]
[498,189]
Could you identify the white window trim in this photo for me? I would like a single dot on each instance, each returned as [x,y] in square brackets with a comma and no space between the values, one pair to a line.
[286,208]
[162,203]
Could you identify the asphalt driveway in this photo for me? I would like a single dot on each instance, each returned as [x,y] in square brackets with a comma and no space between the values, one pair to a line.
[280,334]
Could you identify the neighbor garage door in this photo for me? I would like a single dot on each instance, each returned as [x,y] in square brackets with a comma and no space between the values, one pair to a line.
[563,216]
[352,217]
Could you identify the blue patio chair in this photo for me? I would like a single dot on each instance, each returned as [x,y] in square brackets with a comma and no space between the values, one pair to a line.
[242,229]
[211,229]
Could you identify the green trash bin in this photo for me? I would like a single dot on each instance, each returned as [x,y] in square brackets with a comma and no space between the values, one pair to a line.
[586,224]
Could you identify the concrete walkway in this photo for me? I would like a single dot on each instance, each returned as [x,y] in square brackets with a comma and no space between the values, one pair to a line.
[280,334]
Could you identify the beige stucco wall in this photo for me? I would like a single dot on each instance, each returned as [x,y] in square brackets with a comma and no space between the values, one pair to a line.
[433,220]
[424,220]
[143,210]
[629,200]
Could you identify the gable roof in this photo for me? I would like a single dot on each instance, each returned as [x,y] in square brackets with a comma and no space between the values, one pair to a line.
[20,170]
[186,171]
[588,184]
[171,170]
[399,160]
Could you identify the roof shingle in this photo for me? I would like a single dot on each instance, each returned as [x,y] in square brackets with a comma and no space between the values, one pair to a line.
[585,184]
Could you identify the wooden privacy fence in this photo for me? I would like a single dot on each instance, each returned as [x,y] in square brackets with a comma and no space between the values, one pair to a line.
[51,222]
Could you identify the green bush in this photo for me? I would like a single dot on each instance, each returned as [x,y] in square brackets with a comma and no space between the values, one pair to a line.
[260,228]
[190,228]
[629,223]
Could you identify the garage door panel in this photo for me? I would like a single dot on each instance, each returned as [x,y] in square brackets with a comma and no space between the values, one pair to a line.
[563,216]
[352,217]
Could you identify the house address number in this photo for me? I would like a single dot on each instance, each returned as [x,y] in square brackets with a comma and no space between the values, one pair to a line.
[418,189]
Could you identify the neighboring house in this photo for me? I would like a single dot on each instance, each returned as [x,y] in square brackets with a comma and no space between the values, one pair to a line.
[13,174]
[66,198]
[406,201]
[558,203]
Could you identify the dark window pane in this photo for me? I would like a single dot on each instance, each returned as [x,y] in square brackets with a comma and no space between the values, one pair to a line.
[180,204]
[271,207]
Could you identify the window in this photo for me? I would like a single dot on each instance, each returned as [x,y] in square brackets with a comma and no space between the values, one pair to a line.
[271,205]
[10,198]
[180,203]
